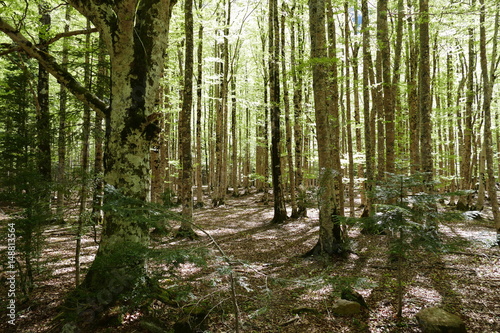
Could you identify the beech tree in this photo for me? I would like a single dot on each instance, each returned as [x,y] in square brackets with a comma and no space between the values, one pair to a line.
[331,235]
[135,35]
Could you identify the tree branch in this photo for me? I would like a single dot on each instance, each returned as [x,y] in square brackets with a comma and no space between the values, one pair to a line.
[10,48]
[51,65]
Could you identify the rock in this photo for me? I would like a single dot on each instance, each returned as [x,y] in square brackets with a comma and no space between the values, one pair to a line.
[344,307]
[437,320]
[352,295]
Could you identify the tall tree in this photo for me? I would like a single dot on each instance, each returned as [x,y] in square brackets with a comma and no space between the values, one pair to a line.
[425,100]
[199,90]
[61,138]
[296,58]
[368,129]
[43,122]
[135,34]
[288,121]
[388,105]
[275,98]
[186,179]
[488,78]
[331,237]
[84,160]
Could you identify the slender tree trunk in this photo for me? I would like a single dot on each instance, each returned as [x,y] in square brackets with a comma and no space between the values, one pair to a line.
[102,90]
[43,125]
[61,140]
[333,108]
[350,152]
[84,161]
[369,147]
[464,202]
[412,68]
[425,98]
[288,122]
[387,88]
[298,130]
[199,89]
[186,163]
[451,128]
[234,135]
[488,79]
[275,99]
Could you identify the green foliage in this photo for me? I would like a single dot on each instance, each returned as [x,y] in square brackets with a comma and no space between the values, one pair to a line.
[406,212]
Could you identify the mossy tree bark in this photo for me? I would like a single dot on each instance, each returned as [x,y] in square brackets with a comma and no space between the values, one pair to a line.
[135,33]
[331,237]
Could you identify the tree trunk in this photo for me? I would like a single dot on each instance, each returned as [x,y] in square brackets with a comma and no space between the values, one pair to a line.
[44,161]
[199,82]
[296,56]
[333,108]
[186,163]
[350,143]
[275,96]
[288,122]
[84,161]
[136,38]
[488,78]
[464,202]
[61,139]
[331,238]
[425,98]
[369,147]
[102,91]
[387,88]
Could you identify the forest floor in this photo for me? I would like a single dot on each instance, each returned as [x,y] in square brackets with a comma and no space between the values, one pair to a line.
[276,289]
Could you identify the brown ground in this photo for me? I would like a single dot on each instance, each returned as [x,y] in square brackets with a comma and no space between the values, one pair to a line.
[278,291]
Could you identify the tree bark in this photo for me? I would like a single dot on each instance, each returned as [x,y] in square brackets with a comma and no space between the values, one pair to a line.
[425,98]
[199,82]
[488,78]
[186,163]
[331,238]
[275,96]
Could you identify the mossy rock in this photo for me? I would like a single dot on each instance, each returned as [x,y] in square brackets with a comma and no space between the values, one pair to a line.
[437,320]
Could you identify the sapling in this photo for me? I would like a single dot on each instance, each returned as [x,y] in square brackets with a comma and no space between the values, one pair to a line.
[409,218]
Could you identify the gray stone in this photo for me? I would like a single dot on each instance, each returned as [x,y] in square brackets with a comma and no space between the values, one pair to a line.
[344,307]
[437,320]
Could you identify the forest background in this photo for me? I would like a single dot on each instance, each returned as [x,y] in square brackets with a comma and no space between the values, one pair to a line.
[157,103]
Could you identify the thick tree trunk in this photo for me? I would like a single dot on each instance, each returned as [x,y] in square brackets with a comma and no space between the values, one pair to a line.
[331,238]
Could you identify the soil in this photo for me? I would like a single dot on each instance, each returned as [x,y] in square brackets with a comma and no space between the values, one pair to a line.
[257,268]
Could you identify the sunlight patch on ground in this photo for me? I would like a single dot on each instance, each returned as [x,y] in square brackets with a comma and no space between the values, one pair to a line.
[317,294]
[426,295]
